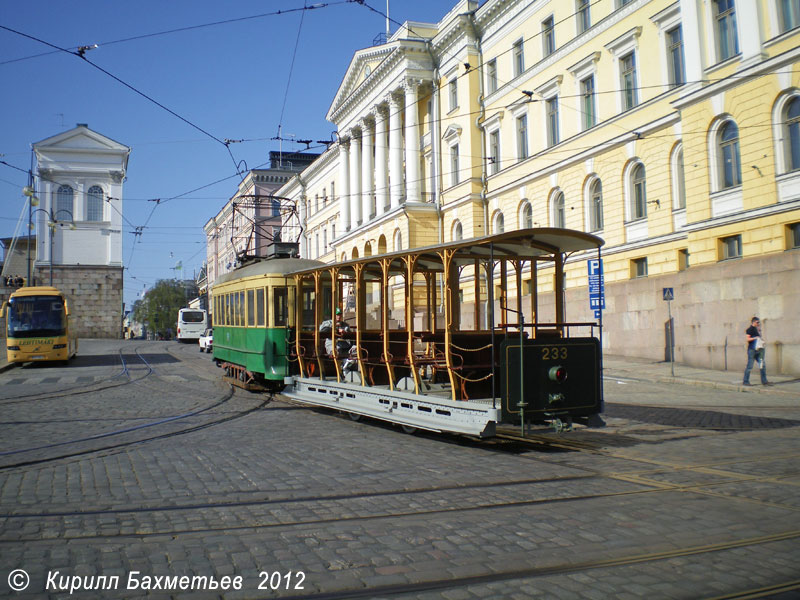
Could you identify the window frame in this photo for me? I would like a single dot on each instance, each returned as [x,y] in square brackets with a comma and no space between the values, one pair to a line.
[583,16]
[491,76]
[96,200]
[728,151]
[518,57]
[548,36]
[725,19]
[639,269]
[729,242]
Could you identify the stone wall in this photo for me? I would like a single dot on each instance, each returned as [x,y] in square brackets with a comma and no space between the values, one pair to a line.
[95,297]
[712,308]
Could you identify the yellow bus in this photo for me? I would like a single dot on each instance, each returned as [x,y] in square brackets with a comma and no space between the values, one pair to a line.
[38,326]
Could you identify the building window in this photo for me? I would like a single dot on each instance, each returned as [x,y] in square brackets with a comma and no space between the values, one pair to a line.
[582,14]
[454,164]
[325,240]
[728,145]
[527,216]
[94,204]
[491,75]
[678,181]
[793,234]
[552,122]
[453,89]
[731,247]
[790,14]
[793,134]
[727,39]
[333,231]
[638,192]
[522,137]
[499,223]
[639,267]
[559,216]
[316,202]
[398,240]
[683,259]
[518,56]
[494,152]
[588,113]
[677,68]
[596,206]
[64,203]
[458,232]
[628,78]
[548,36]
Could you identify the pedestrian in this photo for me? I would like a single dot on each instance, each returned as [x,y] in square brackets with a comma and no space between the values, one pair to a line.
[755,351]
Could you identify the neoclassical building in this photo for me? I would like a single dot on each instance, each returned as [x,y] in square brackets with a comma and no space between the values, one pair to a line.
[670,129]
[79,180]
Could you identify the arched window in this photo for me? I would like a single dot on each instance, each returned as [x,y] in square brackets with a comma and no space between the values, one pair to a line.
[638,198]
[398,240]
[94,203]
[499,222]
[526,216]
[458,232]
[64,204]
[595,205]
[678,180]
[559,216]
[730,168]
[792,135]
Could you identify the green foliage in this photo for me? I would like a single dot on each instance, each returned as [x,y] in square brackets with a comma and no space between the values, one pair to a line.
[158,310]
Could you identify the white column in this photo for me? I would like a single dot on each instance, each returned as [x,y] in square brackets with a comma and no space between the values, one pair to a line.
[395,150]
[344,183]
[303,222]
[694,62]
[412,143]
[381,156]
[748,22]
[355,180]
[367,172]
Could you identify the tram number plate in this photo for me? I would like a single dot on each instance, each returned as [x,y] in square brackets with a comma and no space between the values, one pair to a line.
[554,353]
[37,357]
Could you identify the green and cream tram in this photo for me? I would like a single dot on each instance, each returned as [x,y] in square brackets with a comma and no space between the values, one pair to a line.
[456,337]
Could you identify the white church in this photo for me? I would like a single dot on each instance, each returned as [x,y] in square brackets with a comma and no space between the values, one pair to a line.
[79,179]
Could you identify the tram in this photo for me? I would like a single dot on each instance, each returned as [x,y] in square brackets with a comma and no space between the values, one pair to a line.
[38,326]
[456,337]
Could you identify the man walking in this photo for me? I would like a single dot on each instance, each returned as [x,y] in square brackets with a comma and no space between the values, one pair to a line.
[755,351]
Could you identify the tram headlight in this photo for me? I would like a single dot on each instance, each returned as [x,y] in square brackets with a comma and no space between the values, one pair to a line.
[557,374]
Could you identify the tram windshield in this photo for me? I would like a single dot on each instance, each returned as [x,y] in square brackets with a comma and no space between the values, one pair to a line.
[36,316]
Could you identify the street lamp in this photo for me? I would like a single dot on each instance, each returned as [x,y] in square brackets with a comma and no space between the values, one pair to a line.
[32,201]
[51,224]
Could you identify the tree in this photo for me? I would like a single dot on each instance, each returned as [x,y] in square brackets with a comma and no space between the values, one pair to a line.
[158,310]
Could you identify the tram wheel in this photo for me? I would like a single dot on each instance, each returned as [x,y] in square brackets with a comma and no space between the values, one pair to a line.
[409,429]
[354,416]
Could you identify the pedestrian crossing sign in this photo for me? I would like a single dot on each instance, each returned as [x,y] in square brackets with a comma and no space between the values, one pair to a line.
[668,294]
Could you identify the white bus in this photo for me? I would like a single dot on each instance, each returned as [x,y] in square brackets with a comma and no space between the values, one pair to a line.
[192,322]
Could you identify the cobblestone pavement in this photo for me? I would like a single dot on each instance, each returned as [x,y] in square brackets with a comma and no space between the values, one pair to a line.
[691,491]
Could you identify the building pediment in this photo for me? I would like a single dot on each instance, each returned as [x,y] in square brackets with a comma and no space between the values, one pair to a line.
[363,66]
[81,138]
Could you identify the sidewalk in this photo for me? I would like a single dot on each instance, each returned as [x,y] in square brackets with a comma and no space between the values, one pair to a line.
[639,369]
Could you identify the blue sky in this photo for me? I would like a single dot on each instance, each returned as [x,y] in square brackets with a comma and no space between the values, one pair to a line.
[228,79]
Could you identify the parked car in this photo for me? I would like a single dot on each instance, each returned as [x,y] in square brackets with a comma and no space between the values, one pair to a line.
[206,341]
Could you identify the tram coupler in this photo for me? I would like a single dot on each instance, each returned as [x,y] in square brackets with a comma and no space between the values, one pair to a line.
[560,422]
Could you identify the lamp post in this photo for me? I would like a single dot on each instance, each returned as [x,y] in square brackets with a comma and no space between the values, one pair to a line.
[52,222]
[32,201]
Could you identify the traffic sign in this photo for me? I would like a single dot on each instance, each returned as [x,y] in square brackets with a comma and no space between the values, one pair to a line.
[597,288]
[668,294]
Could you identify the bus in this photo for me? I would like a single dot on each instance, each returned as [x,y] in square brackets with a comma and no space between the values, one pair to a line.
[38,326]
[192,322]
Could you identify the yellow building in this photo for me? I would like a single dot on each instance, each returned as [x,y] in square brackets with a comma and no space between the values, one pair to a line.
[670,129]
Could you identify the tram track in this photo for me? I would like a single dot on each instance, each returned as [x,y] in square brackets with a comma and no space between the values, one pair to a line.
[650,487]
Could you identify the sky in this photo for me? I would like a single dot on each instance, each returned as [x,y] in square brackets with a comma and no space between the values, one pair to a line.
[271,68]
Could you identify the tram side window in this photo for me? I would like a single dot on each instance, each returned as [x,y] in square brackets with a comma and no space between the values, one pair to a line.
[280,309]
[228,310]
[251,305]
[241,308]
[260,305]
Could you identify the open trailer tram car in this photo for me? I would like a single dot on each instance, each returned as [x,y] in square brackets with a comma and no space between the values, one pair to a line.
[417,337]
